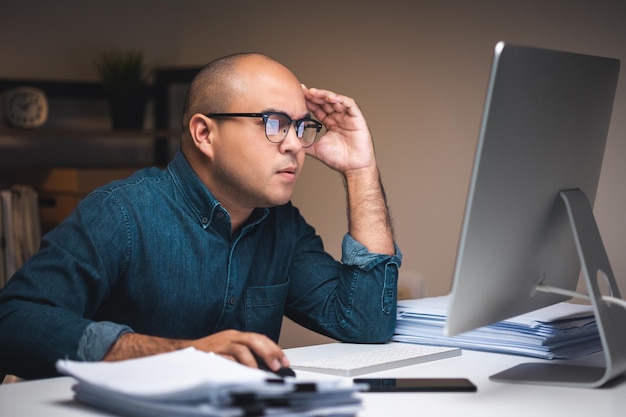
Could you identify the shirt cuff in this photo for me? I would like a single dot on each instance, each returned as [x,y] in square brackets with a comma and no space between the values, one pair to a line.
[354,253]
[98,338]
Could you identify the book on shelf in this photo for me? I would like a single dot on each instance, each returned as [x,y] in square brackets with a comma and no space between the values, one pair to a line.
[20,231]
[3,271]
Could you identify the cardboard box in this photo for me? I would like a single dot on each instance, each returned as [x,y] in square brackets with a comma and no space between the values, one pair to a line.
[78,181]
[61,189]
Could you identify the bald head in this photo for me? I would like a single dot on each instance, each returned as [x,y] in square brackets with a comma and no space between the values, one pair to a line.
[214,88]
[211,88]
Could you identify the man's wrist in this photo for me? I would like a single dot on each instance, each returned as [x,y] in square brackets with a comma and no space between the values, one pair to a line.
[367,176]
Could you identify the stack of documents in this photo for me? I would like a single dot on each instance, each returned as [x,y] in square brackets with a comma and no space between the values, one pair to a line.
[193,383]
[560,331]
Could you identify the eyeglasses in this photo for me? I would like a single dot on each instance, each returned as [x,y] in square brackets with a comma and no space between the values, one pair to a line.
[277,126]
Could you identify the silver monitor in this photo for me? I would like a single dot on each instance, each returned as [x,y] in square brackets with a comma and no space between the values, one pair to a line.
[528,219]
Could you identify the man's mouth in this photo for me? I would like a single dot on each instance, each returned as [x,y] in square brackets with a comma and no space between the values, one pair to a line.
[288,171]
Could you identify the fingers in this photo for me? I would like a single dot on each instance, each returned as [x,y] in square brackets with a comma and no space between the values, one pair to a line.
[242,346]
[323,103]
[346,145]
[264,348]
[270,352]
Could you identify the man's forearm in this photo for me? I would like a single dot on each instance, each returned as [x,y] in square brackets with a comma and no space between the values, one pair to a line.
[232,344]
[133,345]
[369,221]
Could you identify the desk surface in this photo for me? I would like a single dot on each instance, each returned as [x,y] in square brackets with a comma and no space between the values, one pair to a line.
[53,397]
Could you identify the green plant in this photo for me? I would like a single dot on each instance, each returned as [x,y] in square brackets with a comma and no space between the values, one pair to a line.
[122,72]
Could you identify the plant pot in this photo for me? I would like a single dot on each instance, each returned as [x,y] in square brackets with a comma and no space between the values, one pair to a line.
[127,111]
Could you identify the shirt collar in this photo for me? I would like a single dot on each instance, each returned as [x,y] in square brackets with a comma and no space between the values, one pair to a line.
[201,201]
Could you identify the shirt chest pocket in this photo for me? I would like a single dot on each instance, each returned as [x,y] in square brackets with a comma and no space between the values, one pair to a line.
[265,307]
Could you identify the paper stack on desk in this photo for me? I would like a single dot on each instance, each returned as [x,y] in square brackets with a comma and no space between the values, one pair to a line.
[193,383]
[560,331]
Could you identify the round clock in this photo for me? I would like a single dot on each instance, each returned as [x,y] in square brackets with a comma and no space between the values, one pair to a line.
[25,107]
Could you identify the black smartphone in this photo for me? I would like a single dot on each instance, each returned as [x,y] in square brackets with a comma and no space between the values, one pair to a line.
[417,384]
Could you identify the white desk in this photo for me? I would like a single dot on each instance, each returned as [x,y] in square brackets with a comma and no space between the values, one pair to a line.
[53,397]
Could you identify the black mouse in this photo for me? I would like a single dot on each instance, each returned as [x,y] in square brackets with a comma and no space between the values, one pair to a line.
[282,372]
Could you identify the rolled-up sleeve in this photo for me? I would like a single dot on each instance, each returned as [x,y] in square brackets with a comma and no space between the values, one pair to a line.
[353,300]
[355,254]
[98,338]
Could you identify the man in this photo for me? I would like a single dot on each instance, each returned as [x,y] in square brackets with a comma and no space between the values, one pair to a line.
[209,252]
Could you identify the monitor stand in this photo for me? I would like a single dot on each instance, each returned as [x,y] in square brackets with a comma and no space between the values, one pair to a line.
[610,318]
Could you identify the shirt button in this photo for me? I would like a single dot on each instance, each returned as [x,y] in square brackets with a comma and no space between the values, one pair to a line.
[232,301]
[205,220]
[220,215]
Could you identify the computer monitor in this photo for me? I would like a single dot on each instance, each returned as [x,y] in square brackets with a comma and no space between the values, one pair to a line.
[528,221]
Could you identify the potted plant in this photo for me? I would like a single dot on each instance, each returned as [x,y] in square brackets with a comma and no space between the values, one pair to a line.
[124,80]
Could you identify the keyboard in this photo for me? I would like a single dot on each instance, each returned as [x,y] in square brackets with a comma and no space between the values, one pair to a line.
[383,357]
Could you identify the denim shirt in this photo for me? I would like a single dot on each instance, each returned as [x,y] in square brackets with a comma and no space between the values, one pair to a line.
[154,254]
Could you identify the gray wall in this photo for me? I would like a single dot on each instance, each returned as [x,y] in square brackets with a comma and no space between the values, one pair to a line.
[418,69]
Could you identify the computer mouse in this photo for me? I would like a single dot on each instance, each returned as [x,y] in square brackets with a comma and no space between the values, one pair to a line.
[282,372]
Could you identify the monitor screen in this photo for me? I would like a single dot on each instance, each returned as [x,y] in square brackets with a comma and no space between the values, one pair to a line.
[544,129]
[529,220]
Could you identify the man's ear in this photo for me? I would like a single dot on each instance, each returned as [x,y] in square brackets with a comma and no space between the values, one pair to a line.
[202,130]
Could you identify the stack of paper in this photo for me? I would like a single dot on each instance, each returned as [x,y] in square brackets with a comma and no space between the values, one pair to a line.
[560,331]
[193,383]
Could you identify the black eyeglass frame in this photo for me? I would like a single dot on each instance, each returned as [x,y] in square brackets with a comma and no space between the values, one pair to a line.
[266,115]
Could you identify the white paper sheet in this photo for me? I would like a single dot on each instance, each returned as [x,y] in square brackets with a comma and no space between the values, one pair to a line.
[193,383]
[560,331]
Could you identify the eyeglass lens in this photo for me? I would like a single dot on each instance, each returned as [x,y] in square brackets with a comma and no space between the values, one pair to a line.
[277,126]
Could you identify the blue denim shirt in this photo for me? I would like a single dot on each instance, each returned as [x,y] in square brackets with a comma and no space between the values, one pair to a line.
[154,254]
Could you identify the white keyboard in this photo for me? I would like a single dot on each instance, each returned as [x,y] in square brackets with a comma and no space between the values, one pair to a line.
[380,358]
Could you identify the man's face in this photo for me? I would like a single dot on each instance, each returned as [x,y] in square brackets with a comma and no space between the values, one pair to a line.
[249,170]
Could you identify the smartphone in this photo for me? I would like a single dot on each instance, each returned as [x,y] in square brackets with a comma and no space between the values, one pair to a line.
[417,384]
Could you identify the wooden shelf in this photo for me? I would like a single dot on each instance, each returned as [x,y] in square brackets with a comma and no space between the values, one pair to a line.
[57,88]
[95,148]
[81,148]
[55,133]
